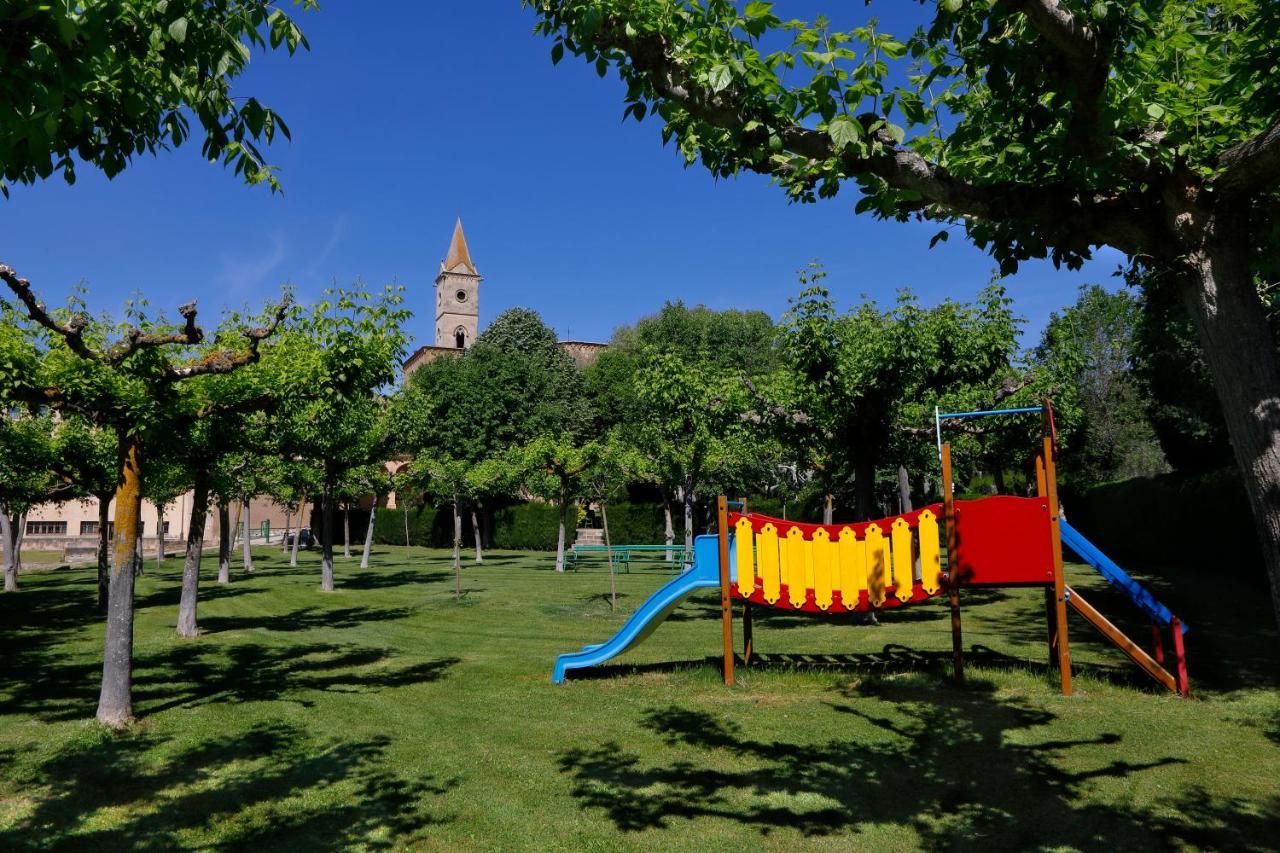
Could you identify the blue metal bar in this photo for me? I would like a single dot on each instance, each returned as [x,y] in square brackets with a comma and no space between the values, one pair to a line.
[954,415]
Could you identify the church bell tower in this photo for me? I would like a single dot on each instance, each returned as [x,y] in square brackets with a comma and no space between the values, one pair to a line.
[457,296]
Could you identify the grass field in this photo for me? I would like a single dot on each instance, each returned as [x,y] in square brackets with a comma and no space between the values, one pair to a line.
[388,715]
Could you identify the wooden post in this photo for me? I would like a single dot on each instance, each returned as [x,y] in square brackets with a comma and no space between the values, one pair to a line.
[1180,656]
[953,564]
[726,606]
[747,645]
[1059,584]
[1050,607]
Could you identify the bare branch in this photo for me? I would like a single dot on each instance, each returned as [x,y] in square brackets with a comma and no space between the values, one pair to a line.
[227,361]
[1252,165]
[72,331]
[136,339]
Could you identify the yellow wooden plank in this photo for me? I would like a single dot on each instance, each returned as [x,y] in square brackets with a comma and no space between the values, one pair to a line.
[744,540]
[794,570]
[767,556]
[877,564]
[903,561]
[824,568]
[853,567]
[930,553]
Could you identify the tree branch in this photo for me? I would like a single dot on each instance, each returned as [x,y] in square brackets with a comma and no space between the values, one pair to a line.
[1252,165]
[1074,40]
[72,331]
[226,361]
[1087,68]
[136,339]
[1066,215]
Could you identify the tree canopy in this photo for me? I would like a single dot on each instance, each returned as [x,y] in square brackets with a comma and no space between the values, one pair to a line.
[102,82]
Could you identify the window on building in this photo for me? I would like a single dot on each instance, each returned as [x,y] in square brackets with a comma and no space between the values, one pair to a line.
[46,528]
[460,338]
[461,295]
[90,528]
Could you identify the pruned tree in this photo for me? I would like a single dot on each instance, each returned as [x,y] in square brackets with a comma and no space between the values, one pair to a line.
[348,347]
[135,377]
[1040,128]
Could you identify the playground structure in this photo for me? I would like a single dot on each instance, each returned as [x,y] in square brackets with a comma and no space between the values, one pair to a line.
[998,541]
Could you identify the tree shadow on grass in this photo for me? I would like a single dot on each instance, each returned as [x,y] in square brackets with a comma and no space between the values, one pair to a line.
[305,619]
[951,768]
[190,674]
[271,786]
[375,579]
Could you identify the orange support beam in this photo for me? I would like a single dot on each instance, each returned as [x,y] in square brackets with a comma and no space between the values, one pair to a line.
[953,564]
[1116,636]
[1059,583]
[726,604]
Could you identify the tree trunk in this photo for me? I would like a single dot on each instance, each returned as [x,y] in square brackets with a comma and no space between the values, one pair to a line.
[475,531]
[827,510]
[564,512]
[224,542]
[368,534]
[191,559]
[115,702]
[20,530]
[686,495]
[864,489]
[297,534]
[1241,354]
[104,549]
[457,549]
[160,508]
[247,552]
[904,490]
[284,540]
[406,525]
[669,528]
[346,531]
[997,477]
[10,545]
[608,550]
[326,534]
[235,528]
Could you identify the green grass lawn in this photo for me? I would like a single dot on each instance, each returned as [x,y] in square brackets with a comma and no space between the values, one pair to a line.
[388,715]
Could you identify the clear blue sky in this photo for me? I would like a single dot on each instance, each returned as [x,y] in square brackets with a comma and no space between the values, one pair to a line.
[406,115]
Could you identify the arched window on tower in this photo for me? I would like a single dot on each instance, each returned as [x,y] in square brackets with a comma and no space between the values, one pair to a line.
[460,337]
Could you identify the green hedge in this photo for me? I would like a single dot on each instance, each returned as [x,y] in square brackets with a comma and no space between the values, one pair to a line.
[637,524]
[1191,520]
[428,527]
[531,527]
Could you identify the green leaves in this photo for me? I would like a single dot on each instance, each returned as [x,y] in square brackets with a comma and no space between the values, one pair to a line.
[102,88]
[844,131]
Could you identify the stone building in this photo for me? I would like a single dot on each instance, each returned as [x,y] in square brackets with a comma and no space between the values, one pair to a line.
[457,307]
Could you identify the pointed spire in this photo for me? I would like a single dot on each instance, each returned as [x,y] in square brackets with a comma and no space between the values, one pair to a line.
[459,255]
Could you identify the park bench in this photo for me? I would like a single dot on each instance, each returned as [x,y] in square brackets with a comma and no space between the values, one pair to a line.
[623,554]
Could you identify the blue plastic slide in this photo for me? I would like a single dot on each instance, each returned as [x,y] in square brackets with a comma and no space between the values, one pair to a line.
[1116,576]
[704,573]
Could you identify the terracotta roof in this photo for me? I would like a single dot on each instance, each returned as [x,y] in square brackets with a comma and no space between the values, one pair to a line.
[459,254]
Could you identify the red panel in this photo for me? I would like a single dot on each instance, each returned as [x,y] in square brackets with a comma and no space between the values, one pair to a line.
[1004,540]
